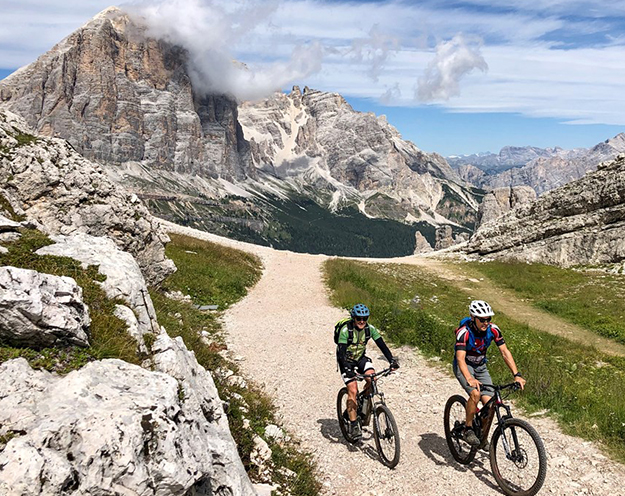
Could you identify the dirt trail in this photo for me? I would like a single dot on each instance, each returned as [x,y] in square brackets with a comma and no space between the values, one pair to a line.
[282,329]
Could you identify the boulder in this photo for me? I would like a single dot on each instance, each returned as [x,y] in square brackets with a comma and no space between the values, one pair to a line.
[124,279]
[39,310]
[113,428]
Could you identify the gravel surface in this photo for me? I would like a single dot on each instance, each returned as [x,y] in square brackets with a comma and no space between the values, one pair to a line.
[283,333]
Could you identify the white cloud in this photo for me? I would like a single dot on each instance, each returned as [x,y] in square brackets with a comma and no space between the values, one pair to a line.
[211,32]
[378,50]
[374,50]
[454,60]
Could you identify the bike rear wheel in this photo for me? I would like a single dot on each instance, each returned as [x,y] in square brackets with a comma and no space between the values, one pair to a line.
[521,470]
[386,435]
[341,411]
[455,419]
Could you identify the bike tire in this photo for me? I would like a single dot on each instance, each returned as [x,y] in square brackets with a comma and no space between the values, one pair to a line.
[454,417]
[386,436]
[525,475]
[341,406]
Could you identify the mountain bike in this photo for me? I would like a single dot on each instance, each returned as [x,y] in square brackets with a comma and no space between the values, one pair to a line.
[371,403]
[517,454]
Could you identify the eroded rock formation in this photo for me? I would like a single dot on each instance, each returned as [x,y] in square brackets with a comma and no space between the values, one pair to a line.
[40,310]
[582,222]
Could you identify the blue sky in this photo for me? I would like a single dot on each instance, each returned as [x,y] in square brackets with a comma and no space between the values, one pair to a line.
[453,77]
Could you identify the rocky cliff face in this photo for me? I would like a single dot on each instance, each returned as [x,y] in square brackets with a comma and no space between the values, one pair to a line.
[501,200]
[316,139]
[119,96]
[582,222]
[545,170]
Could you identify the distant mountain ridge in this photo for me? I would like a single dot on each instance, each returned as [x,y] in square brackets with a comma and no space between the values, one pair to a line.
[541,169]
[127,101]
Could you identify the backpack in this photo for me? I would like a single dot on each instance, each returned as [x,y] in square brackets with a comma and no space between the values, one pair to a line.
[350,329]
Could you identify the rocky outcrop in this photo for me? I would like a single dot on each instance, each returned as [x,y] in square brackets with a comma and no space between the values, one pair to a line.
[582,222]
[52,184]
[123,278]
[41,310]
[502,200]
[116,428]
[313,139]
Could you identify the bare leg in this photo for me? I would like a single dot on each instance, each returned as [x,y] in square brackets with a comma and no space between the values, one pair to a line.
[352,391]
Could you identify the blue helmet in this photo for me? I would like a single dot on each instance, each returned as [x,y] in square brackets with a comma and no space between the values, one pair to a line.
[359,310]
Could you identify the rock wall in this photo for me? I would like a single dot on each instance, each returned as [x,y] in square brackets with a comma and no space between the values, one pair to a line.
[502,200]
[582,222]
[52,184]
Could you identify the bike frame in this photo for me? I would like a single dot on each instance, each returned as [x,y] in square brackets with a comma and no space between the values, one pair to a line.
[493,408]
[372,392]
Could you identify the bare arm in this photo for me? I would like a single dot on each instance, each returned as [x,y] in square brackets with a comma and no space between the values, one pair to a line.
[507,357]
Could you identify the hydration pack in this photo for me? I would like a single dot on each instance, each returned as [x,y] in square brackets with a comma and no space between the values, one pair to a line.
[350,329]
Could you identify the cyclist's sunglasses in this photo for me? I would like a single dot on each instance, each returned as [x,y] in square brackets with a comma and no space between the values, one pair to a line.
[483,319]
[361,319]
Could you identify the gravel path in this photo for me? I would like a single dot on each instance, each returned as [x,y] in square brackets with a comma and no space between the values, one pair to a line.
[297,366]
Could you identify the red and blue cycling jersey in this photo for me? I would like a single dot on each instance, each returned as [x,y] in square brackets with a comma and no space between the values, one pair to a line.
[475,343]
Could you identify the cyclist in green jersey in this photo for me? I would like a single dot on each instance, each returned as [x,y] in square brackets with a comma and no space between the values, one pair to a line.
[350,354]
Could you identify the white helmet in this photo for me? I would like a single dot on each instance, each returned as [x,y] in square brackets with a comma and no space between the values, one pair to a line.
[479,308]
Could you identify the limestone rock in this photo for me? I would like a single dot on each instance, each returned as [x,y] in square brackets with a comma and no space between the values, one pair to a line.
[120,96]
[40,310]
[502,200]
[582,222]
[111,428]
[123,277]
[421,244]
[60,190]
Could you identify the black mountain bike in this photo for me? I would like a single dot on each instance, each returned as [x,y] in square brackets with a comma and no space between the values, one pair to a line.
[517,454]
[372,404]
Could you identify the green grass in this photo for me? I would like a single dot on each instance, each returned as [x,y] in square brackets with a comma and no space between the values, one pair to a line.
[214,274]
[209,273]
[108,336]
[589,298]
[580,386]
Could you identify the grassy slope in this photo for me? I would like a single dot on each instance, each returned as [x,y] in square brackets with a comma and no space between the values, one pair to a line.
[582,387]
[212,274]
[590,299]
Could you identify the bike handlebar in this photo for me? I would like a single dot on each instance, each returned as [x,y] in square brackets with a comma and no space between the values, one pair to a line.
[362,377]
[515,386]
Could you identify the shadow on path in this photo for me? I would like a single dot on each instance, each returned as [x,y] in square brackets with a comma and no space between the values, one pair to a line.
[330,429]
[436,449]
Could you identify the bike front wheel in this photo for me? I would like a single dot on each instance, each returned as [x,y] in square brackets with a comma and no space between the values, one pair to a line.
[518,458]
[341,411]
[386,435]
[455,419]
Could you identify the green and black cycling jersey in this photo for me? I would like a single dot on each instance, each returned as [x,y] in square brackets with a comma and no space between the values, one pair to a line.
[349,352]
